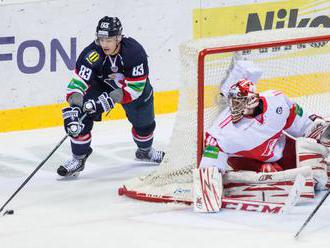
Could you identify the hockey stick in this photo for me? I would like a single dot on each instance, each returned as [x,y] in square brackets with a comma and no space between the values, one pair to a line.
[39,166]
[312,214]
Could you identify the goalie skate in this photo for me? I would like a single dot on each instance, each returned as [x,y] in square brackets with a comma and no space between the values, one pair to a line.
[73,166]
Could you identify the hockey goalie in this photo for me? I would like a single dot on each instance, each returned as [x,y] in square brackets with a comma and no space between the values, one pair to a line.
[258,145]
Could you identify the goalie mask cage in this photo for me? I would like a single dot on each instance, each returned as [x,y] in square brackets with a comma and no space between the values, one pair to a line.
[294,61]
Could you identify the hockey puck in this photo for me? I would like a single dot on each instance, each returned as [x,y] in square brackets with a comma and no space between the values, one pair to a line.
[9,211]
[120,191]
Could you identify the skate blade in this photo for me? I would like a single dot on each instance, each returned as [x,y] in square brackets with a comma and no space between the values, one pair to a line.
[74,176]
[146,161]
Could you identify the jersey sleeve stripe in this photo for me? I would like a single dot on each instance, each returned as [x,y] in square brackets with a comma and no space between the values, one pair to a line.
[225,121]
[136,79]
[133,88]
[291,117]
[126,98]
[211,141]
[76,85]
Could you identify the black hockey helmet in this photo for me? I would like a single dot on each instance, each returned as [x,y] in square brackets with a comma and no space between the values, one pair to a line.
[108,27]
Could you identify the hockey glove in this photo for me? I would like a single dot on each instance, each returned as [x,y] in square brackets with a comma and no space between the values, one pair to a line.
[104,103]
[71,117]
[320,130]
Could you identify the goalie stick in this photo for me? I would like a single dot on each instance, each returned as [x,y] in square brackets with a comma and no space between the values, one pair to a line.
[38,167]
[312,214]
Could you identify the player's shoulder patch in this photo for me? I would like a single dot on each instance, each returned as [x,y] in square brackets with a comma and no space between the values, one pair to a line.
[92,57]
[298,110]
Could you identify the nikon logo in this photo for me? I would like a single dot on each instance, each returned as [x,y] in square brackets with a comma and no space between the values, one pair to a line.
[283,19]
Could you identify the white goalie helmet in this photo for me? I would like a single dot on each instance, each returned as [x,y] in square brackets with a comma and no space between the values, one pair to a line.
[242,99]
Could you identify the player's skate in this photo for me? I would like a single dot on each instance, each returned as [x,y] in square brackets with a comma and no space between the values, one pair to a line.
[73,166]
[149,155]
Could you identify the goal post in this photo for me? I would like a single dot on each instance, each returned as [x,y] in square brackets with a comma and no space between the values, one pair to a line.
[294,61]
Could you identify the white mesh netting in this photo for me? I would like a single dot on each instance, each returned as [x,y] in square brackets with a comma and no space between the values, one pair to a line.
[301,71]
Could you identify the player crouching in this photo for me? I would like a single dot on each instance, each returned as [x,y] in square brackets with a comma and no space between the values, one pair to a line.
[257,147]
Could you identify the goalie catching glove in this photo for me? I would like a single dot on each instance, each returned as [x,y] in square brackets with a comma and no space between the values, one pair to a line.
[320,130]
[72,125]
[104,103]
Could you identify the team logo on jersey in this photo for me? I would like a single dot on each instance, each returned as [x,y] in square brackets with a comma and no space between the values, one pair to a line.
[211,152]
[279,110]
[269,148]
[298,110]
[92,57]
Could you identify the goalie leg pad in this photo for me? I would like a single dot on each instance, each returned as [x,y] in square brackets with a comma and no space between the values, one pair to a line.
[207,190]
[312,154]
[268,187]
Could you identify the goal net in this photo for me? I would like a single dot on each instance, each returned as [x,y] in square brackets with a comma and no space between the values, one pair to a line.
[294,61]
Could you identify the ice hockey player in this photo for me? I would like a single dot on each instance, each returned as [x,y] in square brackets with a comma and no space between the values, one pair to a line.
[260,143]
[112,69]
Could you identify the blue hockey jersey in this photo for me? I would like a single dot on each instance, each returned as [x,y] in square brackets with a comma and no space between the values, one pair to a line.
[127,70]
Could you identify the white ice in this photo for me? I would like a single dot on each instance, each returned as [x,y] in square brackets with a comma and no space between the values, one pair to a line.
[87,212]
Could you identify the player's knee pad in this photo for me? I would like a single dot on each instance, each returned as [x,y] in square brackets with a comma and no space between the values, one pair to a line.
[144,131]
[268,187]
[143,136]
[81,144]
[312,154]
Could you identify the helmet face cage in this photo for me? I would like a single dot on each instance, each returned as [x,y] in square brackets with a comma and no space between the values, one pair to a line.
[108,27]
[242,97]
[237,107]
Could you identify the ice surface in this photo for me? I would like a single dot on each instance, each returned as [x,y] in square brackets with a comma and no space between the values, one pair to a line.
[87,212]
